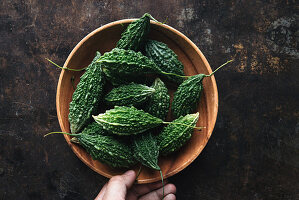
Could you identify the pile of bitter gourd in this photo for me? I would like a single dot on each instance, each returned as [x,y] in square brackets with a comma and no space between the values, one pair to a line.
[133,128]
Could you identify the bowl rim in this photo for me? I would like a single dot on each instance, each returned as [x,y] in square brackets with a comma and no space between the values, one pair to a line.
[198,51]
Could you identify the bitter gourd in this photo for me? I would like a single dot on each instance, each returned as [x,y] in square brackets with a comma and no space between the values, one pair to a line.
[113,151]
[166,59]
[131,94]
[127,62]
[135,34]
[187,96]
[173,136]
[159,101]
[87,96]
[123,120]
[107,149]
[94,129]
[116,79]
[146,150]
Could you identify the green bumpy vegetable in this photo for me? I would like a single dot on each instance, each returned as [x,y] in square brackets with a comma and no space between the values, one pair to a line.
[186,98]
[175,135]
[146,150]
[115,152]
[116,79]
[135,34]
[127,63]
[129,95]
[87,96]
[159,101]
[124,120]
[94,129]
[166,59]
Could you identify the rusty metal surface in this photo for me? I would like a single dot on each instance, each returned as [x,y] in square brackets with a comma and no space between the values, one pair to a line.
[253,153]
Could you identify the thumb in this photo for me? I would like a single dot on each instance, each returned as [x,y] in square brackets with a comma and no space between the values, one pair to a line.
[129,178]
[118,185]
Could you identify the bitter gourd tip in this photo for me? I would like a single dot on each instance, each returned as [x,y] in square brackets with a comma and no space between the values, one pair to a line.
[95,117]
[195,116]
[147,15]
[75,140]
[152,18]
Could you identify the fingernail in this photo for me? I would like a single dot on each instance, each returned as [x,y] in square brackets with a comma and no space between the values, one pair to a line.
[129,173]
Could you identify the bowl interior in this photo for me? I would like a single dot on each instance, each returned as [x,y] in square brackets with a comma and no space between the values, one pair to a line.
[104,39]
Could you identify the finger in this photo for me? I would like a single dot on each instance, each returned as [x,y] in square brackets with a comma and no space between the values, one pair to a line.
[170,197]
[142,189]
[118,185]
[158,194]
[102,192]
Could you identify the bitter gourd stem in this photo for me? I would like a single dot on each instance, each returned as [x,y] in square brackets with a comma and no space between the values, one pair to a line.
[196,127]
[162,182]
[152,18]
[218,68]
[61,133]
[138,173]
[166,73]
[76,70]
[205,75]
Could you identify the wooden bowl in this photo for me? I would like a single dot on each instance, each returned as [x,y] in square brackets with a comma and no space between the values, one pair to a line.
[104,39]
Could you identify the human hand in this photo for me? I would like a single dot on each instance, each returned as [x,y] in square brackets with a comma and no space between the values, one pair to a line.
[121,188]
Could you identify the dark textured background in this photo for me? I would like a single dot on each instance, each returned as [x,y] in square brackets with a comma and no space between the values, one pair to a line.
[254,150]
